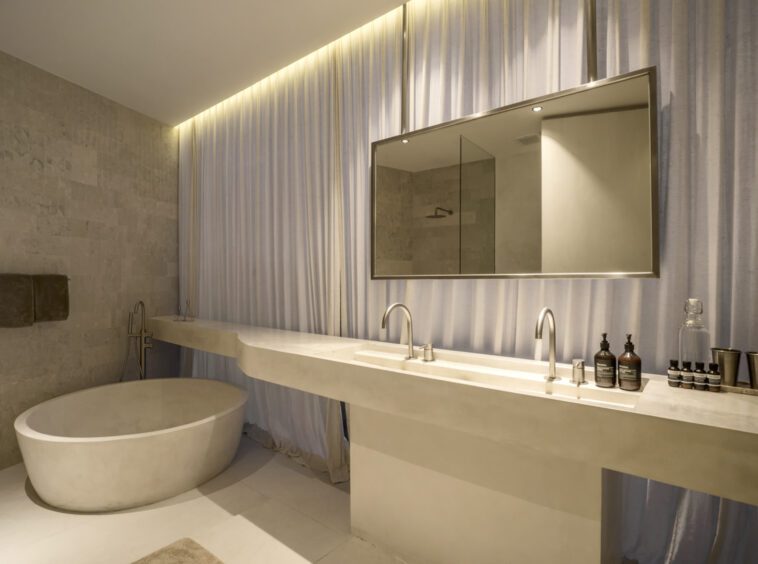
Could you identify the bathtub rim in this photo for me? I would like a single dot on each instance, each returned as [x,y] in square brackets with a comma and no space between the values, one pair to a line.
[21,425]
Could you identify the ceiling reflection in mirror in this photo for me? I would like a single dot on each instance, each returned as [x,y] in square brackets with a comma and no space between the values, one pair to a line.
[564,185]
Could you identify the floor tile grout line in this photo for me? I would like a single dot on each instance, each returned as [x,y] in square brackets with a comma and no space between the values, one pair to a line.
[194,531]
[343,543]
[296,508]
[347,536]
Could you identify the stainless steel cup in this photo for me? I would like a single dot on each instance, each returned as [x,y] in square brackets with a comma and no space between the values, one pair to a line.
[729,364]
[752,366]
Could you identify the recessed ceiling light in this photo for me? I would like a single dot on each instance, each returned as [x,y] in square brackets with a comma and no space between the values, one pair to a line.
[404,141]
[536,108]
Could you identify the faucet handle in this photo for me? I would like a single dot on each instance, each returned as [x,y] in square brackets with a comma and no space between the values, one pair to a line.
[577,373]
[428,351]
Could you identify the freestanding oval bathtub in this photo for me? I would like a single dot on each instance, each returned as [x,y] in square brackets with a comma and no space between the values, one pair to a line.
[129,444]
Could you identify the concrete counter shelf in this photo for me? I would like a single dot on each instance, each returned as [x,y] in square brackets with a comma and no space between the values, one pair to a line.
[475,457]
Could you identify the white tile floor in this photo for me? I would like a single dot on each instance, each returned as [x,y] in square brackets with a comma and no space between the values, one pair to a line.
[264,508]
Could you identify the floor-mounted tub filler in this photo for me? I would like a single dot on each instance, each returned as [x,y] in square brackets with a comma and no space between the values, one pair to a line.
[129,444]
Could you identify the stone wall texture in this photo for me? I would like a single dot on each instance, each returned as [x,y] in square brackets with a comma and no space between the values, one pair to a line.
[88,188]
[437,242]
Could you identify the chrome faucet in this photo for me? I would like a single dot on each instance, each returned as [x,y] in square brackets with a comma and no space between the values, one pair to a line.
[409,324]
[546,312]
[143,337]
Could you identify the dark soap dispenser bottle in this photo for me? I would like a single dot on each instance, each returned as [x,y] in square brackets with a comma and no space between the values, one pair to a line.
[605,365]
[630,368]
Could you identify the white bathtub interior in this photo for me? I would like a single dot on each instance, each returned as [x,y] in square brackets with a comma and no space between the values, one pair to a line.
[163,404]
[129,444]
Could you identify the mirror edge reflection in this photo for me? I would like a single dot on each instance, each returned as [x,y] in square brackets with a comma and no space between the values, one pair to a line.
[654,272]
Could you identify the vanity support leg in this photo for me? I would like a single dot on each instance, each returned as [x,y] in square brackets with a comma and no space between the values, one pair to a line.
[437,495]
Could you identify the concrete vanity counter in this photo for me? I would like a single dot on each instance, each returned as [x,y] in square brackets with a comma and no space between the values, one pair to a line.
[536,456]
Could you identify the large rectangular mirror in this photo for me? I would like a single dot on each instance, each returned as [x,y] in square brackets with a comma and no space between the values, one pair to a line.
[560,186]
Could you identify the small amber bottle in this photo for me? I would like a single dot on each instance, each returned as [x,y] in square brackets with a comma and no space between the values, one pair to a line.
[714,377]
[687,376]
[630,368]
[701,379]
[605,365]
[674,374]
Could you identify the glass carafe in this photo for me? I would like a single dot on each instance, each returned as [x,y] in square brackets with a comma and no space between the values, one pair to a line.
[694,339]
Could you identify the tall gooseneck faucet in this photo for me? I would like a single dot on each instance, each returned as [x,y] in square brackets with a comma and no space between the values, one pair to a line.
[546,312]
[409,324]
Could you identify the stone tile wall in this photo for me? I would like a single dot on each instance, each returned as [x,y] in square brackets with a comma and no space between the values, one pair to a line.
[394,254]
[88,188]
[411,243]
[436,242]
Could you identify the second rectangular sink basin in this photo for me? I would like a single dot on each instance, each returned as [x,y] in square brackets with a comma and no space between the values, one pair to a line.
[512,374]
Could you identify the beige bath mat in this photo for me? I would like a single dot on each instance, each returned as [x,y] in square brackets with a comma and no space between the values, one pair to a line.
[183,551]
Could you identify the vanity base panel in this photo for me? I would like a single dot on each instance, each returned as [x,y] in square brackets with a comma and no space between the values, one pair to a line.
[431,494]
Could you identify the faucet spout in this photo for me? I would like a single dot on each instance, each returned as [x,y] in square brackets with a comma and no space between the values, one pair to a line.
[547,313]
[408,321]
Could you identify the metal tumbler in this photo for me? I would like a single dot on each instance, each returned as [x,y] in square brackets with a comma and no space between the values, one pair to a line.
[752,366]
[729,364]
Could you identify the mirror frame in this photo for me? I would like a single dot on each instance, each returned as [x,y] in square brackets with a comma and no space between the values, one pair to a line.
[651,73]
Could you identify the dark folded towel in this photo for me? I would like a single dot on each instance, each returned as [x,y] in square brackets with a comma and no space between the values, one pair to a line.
[50,297]
[16,300]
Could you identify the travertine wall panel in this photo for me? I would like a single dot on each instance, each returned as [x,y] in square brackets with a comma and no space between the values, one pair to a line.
[394,212]
[88,188]
[436,242]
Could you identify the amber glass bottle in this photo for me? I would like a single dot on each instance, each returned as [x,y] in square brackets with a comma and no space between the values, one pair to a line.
[701,379]
[630,368]
[605,365]
[687,376]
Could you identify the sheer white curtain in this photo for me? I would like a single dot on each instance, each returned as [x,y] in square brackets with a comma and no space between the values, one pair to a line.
[471,56]
[467,57]
[274,166]
[260,202]
[476,55]
[705,52]
[369,67]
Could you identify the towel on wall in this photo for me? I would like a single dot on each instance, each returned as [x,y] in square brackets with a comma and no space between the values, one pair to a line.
[16,300]
[50,297]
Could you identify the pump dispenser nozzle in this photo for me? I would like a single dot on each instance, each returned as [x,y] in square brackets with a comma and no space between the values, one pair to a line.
[604,344]
[629,345]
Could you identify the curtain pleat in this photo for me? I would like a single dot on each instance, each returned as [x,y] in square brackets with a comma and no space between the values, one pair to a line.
[472,56]
[706,59]
[369,63]
[266,252]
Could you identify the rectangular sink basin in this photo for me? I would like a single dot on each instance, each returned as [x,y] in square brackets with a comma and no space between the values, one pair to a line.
[511,374]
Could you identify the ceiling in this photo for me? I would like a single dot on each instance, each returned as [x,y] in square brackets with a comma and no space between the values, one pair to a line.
[171,59]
